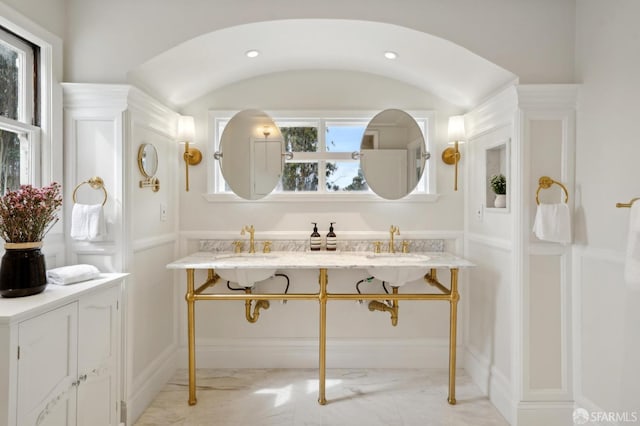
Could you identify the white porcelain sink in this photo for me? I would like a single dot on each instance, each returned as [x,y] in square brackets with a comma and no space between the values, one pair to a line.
[398,275]
[245,277]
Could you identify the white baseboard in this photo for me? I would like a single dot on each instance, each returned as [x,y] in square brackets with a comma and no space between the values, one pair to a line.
[545,413]
[303,353]
[492,383]
[157,374]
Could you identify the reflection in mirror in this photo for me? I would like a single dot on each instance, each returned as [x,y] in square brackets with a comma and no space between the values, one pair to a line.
[148,160]
[148,166]
[392,154]
[251,154]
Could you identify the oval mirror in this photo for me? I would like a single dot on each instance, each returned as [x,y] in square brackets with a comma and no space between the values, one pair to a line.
[251,154]
[148,160]
[392,154]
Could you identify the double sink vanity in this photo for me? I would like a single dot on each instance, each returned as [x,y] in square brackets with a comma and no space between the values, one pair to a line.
[252,154]
[396,269]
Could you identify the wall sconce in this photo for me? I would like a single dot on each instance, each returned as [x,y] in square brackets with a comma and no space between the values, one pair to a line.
[456,135]
[186,133]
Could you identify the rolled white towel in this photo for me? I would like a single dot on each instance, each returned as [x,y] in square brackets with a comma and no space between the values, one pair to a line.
[72,274]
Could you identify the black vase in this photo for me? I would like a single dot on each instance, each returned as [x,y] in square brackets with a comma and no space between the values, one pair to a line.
[23,271]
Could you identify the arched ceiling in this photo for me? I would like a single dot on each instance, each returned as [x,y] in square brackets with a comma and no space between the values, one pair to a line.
[214,60]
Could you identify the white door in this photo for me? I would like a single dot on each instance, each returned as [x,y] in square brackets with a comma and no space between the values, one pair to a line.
[47,368]
[98,351]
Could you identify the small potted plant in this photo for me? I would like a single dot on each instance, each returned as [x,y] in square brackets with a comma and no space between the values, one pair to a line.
[499,187]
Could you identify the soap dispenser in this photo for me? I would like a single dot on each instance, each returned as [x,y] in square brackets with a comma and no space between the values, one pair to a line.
[332,243]
[315,242]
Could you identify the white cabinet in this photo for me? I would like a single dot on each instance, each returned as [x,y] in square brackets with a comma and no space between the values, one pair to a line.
[98,350]
[61,355]
[47,368]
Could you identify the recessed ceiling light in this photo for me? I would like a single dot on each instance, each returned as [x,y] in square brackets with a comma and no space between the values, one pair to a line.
[390,55]
[252,53]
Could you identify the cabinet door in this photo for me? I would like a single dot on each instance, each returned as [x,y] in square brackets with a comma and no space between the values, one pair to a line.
[47,368]
[98,356]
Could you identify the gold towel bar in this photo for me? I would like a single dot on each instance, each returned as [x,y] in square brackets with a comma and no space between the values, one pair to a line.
[95,182]
[629,204]
[545,182]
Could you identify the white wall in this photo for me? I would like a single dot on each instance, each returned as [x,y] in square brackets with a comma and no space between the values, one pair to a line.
[489,236]
[321,90]
[607,319]
[297,321]
[105,126]
[49,14]
[152,323]
[533,39]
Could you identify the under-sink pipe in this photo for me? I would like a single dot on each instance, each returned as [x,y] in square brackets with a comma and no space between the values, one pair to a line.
[260,304]
[375,305]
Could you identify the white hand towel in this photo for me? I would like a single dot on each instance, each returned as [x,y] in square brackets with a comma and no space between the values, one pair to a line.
[72,274]
[632,258]
[87,222]
[553,223]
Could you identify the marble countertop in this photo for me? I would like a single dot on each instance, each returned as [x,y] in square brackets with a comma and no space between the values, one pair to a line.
[17,308]
[321,259]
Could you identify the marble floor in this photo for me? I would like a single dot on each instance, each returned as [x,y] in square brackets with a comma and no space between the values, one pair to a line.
[385,397]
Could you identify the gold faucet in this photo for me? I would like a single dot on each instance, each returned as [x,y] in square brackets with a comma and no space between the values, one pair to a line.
[238,246]
[251,230]
[393,230]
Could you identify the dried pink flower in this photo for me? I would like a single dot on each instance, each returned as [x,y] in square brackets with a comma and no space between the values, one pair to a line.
[27,214]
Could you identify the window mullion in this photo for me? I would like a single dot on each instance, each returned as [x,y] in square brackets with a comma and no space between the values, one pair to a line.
[322,164]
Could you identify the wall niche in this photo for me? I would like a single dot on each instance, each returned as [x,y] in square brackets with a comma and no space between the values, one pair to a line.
[496,162]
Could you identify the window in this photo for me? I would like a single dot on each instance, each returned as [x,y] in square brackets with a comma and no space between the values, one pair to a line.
[18,111]
[322,162]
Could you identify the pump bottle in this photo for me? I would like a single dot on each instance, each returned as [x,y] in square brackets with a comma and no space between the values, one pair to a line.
[315,241]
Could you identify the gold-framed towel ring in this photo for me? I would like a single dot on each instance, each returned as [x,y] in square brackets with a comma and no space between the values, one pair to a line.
[95,182]
[545,182]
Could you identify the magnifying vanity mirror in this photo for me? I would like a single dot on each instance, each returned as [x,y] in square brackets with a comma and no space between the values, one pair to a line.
[148,165]
[251,154]
[393,154]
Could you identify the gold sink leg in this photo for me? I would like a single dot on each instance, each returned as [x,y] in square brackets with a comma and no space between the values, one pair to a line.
[453,319]
[191,332]
[322,298]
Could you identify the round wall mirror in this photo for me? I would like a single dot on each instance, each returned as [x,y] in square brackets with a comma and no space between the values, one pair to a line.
[147,160]
[251,154]
[392,154]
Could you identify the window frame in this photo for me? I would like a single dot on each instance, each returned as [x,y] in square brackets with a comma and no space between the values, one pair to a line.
[215,180]
[26,91]
[44,128]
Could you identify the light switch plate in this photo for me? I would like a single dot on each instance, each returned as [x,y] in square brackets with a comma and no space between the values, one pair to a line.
[163,212]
